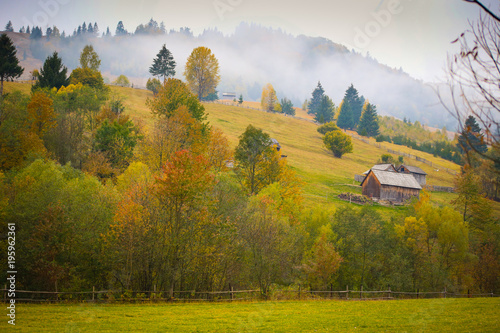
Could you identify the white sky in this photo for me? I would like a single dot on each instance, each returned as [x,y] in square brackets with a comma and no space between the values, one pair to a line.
[412,34]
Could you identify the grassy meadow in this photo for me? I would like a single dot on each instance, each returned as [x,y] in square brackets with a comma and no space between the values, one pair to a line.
[431,315]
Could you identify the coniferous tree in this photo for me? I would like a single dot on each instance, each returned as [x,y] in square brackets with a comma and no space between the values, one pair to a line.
[325,110]
[9,64]
[287,107]
[9,27]
[84,28]
[53,74]
[355,103]
[368,124]
[471,137]
[345,119]
[90,29]
[28,30]
[317,95]
[120,29]
[164,64]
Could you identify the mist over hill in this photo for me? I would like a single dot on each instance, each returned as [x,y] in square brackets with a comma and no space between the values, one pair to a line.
[253,56]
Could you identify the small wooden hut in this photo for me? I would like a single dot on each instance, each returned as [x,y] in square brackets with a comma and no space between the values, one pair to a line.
[390,186]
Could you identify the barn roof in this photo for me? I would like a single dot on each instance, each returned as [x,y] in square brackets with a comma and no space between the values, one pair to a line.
[382,167]
[414,169]
[395,179]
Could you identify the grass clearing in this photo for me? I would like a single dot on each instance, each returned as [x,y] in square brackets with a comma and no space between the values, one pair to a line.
[431,315]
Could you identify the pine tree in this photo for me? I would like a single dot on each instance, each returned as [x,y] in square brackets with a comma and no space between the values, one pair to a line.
[471,137]
[325,110]
[120,29]
[240,100]
[345,119]
[90,29]
[28,30]
[52,74]
[84,28]
[9,27]
[315,102]
[96,29]
[9,64]
[164,64]
[368,124]
[355,103]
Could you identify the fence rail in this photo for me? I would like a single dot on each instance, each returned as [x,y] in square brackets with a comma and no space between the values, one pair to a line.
[110,296]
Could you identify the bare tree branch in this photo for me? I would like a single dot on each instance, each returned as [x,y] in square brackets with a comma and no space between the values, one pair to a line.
[485,9]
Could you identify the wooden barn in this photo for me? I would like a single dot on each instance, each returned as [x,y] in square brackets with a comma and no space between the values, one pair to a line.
[419,174]
[390,186]
[381,167]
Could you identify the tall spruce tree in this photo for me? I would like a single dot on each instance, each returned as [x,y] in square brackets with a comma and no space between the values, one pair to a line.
[471,137]
[9,27]
[325,111]
[345,119]
[9,64]
[53,74]
[164,64]
[355,103]
[317,95]
[120,29]
[368,124]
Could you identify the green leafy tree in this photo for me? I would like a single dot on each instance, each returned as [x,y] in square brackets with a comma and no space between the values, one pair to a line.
[253,148]
[172,95]
[325,110]
[153,85]
[117,140]
[9,64]
[89,58]
[327,127]
[355,103]
[164,64]
[87,76]
[287,107]
[53,74]
[315,102]
[368,124]
[338,143]
[345,118]
[122,81]
[202,72]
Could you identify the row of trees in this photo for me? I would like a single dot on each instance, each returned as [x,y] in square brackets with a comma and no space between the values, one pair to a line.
[201,71]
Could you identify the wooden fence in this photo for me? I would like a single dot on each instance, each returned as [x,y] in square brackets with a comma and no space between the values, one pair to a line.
[112,296]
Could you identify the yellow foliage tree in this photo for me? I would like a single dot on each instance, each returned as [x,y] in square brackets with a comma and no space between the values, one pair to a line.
[202,72]
[41,113]
[269,100]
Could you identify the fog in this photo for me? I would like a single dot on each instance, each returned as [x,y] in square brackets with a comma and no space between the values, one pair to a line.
[253,56]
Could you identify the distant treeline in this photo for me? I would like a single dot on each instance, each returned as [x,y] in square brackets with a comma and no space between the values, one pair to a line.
[444,149]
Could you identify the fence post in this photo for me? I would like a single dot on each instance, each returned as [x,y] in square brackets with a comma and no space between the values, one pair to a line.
[444,292]
[418,293]
[390,292]
[232,294]
[361,293]
[347,292]
[93,291]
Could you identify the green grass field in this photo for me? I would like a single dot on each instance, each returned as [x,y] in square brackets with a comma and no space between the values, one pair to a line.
[432,315]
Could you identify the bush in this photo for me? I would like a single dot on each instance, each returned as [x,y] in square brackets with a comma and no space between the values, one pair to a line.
[328,127]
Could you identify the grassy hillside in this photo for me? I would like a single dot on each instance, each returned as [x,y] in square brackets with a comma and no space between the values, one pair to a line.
[324,175]
[428,315]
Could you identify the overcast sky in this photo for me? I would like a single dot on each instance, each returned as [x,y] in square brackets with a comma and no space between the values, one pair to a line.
[412,34]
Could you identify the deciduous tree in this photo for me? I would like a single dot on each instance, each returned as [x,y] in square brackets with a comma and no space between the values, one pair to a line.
[89,58]
[269,100]
[338,143]
[202,72]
